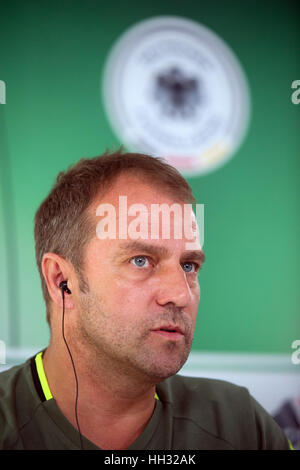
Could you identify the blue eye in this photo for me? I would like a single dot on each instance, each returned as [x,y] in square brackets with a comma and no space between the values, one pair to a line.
[189,266]
[140,261]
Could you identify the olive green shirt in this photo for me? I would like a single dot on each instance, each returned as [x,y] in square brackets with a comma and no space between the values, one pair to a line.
[190,414]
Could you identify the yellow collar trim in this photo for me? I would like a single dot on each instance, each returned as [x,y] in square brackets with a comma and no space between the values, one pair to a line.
[42,376]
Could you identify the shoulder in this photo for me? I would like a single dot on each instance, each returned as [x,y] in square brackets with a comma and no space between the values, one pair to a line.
[9,380]
[180,389]
[9,376]
[224,410]
[13,384]
[209,388]
[207,401]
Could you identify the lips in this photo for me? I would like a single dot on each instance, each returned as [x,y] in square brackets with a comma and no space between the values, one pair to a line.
[169,331]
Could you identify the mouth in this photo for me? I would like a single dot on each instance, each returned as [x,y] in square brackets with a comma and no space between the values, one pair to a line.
[169,332]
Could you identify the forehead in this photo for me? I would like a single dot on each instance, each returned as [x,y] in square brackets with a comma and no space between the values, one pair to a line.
[133,205]
[137,188]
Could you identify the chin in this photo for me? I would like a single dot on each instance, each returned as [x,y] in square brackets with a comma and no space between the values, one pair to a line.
[160,363]
[162,371]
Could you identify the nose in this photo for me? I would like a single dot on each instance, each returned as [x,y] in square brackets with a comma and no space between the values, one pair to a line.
[173,287]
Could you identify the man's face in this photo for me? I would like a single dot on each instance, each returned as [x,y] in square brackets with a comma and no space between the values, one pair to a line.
[140,310]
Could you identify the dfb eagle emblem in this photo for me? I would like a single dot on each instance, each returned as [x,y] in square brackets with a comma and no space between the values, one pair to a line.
[177,94]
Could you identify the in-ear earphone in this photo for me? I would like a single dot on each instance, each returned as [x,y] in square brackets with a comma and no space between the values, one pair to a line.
[64,288]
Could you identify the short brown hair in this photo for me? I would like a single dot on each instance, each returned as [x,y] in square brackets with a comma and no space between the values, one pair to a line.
[62,225]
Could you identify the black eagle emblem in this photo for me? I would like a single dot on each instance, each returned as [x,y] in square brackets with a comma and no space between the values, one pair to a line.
[177,94]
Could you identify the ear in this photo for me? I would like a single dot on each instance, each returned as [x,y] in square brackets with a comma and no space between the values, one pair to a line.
[55,270]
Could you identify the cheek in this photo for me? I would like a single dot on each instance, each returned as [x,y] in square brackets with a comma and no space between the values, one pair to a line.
[132,301]
[195,289]
[125,302]
[195,302]
[195,294]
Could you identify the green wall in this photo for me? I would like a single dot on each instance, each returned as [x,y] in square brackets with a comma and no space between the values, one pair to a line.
[52,56]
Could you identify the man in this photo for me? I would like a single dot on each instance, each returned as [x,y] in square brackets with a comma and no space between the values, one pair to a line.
[122,324]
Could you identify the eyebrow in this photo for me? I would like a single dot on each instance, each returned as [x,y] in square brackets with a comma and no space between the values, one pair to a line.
[133,246]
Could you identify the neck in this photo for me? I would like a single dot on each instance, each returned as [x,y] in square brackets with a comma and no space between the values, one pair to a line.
[113,407]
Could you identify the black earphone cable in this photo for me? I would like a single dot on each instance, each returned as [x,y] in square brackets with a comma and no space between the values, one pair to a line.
[74,369]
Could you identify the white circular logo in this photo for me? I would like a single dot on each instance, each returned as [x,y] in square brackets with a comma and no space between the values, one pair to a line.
[173,88]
